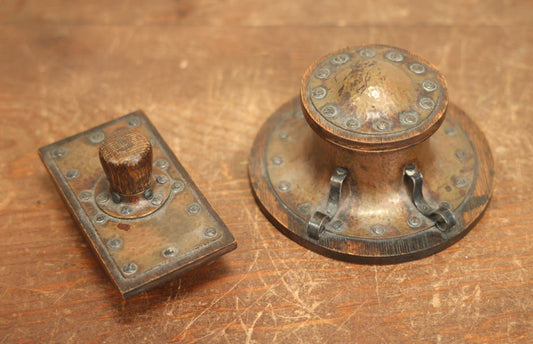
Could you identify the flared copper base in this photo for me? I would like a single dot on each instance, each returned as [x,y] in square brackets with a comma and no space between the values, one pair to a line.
[377,221]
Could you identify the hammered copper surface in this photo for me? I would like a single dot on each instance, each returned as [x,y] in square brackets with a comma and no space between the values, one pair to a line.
[374,97]
[157,240]
[363,110]
[377,220]
[139,205]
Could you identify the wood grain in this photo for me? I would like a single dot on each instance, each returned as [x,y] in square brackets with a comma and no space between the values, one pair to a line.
[208,74]
[126,158]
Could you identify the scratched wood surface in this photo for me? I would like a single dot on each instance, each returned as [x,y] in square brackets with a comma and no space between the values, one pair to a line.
[208,73]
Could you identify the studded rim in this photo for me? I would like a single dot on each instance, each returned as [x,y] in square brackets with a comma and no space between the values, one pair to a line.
[131,210]
[140,244]
[289,194]
[373,116]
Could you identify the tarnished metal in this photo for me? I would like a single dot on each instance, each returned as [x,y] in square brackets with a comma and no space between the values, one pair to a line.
[373,100]
[442,216]
[141,240]
[372,110]
[321,218]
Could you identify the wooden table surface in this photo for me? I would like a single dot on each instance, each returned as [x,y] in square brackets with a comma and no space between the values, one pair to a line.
[208,74]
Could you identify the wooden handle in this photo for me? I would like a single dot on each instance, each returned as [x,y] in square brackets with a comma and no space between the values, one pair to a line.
[126,157]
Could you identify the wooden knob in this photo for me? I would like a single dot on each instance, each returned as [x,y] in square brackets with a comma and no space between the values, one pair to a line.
[126,157]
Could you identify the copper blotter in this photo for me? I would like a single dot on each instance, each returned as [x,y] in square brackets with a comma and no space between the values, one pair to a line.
[142,239]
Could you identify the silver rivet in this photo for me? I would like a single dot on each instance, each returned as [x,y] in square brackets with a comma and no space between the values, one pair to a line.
[283,135]
[129,268]
[378,229]
[100,219]
[426,103]
[414,221]
[161,163]
[97,137]
[337,226]
[210,232]
[304,208]
[382,125]
[72,174]
[114,243]
[148,193]
[161,179]
[169,251]
[460,182]
[450,131]
[103,198]
[193,208]
[116,197]
[352,123]
[340,59]
[157,200]
[394,56]
[329,111]
[424,208]
[85,195]
[318,92]
[277,160]
[340,171]
[367,52]
[178,186]
[417,68]
[322,73]
[284,186]
[59,152]
[126,210]
[429,85]
[409,117]
[445,205]
[461,155]
[133,122]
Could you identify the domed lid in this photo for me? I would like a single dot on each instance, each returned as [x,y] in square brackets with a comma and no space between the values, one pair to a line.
[374,98]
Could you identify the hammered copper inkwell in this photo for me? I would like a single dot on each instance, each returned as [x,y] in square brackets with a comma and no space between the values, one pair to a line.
[141,213]
[371,163]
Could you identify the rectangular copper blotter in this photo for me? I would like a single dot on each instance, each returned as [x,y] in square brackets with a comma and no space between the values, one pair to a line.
[144,241]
